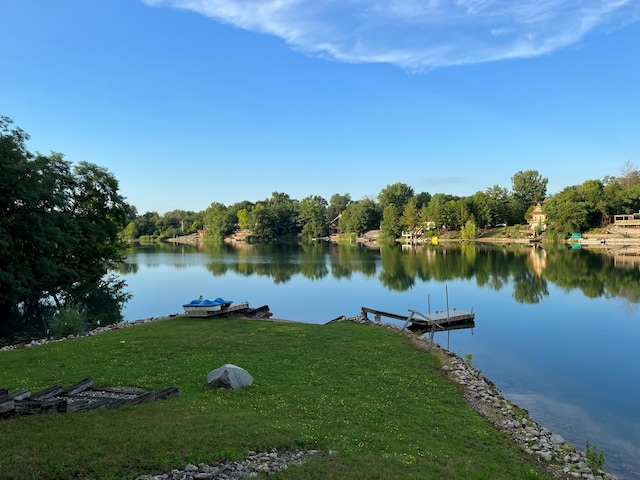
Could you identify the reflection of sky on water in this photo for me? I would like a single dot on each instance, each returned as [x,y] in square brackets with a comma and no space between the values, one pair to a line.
[574,355]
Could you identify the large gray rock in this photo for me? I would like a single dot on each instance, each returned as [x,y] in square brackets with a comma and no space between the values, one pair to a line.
[229,376]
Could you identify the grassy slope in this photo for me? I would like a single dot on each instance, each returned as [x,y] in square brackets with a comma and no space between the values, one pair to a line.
[364,392]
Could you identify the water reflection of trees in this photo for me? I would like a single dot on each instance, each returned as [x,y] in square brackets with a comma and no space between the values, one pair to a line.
[526,270]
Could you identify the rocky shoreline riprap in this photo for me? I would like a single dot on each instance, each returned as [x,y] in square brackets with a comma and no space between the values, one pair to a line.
[549,450]
[96,331]
[266,463]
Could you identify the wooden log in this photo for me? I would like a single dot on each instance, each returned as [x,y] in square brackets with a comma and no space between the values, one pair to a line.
[20,394]
[122,390]
[78,387]
[167,393]
[142,398]
[260,312]
[84,405]
[7,405]
[81,405]
[47,393]
[7,400]
[32,407]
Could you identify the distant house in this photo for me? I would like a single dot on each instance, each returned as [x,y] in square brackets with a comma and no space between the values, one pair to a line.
[333,226]
[537,218]
[631,220]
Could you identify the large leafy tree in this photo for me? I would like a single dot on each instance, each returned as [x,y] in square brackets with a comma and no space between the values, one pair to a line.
[360,217]
[218,221]
[313,218]
[59,232]
[568,211]
[284,214]
[397,194]
[390,223]
[410,217]
[481,209]
[435,210]
[498,199]
[528,188]
[338,204]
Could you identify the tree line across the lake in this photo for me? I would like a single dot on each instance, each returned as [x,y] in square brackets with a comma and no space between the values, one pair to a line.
[63,226]
[398,208]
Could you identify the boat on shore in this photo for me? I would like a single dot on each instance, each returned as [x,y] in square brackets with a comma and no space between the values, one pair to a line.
[209,308]
[203,308]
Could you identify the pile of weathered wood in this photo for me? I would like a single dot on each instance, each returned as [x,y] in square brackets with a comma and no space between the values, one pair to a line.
[79,397]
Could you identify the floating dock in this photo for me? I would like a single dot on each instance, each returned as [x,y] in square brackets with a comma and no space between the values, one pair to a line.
[430,323]
[438,321]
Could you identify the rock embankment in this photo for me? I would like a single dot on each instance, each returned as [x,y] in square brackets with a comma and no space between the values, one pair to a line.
[95,331]
[255,464]
[557,456]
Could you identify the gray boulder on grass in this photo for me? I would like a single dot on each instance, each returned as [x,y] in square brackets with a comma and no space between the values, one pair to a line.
[229,376]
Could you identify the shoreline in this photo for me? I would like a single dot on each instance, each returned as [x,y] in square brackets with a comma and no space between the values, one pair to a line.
[611,244]
[549,451]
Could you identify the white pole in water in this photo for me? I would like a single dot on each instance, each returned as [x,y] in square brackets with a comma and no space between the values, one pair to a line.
[446,289]
[448,331]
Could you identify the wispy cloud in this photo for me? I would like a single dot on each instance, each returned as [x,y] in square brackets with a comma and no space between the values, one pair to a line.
[420,34]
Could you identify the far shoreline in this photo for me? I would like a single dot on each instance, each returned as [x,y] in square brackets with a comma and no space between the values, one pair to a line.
[612,244]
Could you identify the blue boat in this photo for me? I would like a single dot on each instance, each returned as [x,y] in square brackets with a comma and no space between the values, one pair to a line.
[201,307]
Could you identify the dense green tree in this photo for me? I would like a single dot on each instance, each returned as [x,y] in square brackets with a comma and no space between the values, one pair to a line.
[390,223]
[146,225]
[397,194]
[218,220]
[237,207]
[244,219]
[422,199]
[338,204]
[131,231]
[262,222]
[628,200]
[469,230]
[481,209]
[528,188]
[567,211]
[499,204]
[455,213]
[592,193]
[360,217]
[177,223]
[313,218]
[410,218]
[59,231]
[435,211]
[284,214]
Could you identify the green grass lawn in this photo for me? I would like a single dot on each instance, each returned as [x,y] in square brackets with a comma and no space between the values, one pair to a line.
[366,393]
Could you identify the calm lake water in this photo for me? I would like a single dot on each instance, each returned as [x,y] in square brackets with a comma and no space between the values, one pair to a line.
[558,330]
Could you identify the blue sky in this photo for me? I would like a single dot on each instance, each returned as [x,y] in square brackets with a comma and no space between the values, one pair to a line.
[189,102]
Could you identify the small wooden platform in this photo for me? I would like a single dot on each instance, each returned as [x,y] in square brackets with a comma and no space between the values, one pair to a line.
[79,397]
[438,321]
[431,323]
